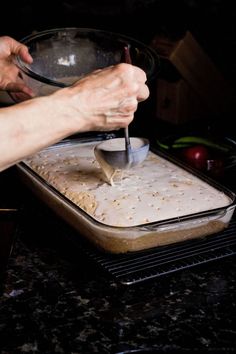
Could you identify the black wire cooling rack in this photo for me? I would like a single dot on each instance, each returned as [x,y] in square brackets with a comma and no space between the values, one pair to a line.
[135,267]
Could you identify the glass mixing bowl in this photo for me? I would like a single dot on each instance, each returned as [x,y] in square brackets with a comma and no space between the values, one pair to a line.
[62,56]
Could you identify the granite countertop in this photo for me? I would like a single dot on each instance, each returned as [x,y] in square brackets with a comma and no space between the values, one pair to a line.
[56,300]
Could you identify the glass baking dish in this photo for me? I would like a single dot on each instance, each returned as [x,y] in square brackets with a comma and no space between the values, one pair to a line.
[124,238]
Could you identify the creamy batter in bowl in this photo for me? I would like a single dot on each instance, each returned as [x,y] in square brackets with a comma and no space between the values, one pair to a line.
[112,156]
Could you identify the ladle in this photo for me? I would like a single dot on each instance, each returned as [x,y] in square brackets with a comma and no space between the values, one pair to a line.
[114,154]
[126,129]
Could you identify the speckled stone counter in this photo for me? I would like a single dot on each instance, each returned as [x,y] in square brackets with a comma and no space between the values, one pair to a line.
[57,301]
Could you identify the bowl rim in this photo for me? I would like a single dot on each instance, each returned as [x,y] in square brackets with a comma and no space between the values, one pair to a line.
[27,39]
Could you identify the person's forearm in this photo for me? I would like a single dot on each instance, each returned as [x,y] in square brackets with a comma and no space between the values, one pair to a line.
[104,100]
[30,126]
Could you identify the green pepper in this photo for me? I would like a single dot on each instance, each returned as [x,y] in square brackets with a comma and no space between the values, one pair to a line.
[186,141]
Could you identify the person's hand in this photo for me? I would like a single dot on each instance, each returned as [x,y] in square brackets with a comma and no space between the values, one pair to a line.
[105,99]
[9,73]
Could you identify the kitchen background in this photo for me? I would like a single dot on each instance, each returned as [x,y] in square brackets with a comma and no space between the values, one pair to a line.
[211,22]
[54,301]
